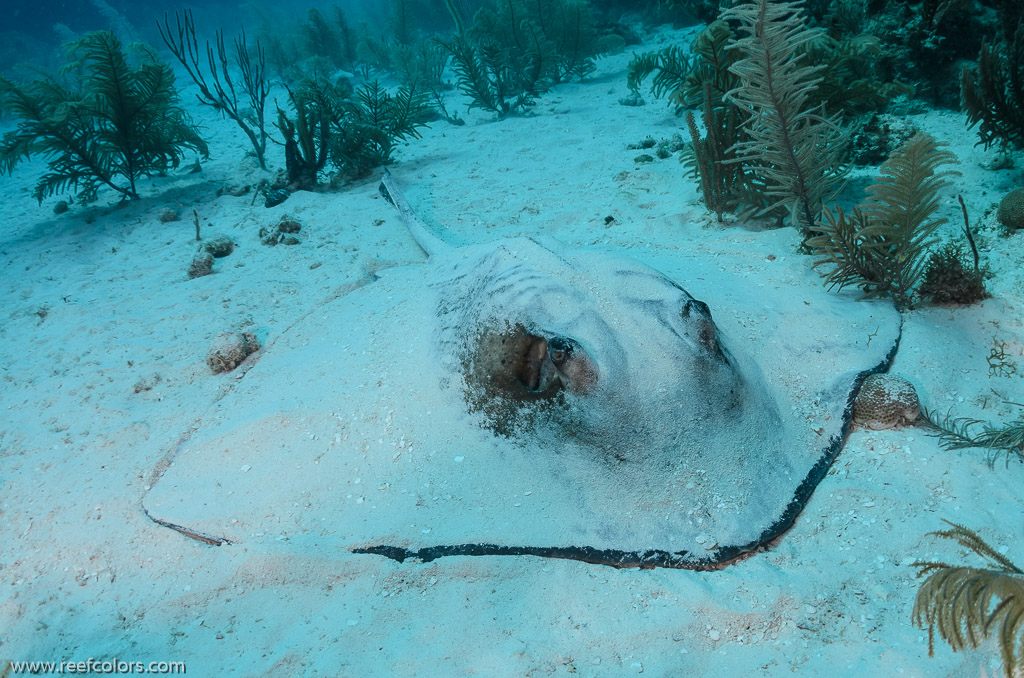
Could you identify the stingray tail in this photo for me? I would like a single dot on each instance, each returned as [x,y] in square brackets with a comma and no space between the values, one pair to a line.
[431,243]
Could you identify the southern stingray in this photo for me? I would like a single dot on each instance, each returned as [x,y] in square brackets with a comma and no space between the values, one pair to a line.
[523,397]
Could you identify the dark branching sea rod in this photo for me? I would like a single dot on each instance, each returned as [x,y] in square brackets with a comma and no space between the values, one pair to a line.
[524,397]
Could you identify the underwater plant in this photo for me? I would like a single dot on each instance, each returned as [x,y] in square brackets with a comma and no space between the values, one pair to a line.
[726,183]
[569,26]
[516,50]
[957,434]
[880,246]
[702,10]
[353,132]
[712,68]
[795,149]
[924,42]
[306,137]
[732,173]
[420,66]
[372,123]
[949,278]
[374,55]
[401,23]
[850,84]
[671,68]
[292,46]
[992,92]
[681,75]
[107,124]
[336,42]
[702,78]
[221,94]
[383,54]
[496,80]
[968,604]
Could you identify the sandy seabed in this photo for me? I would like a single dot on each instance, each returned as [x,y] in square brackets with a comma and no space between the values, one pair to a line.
[103,343]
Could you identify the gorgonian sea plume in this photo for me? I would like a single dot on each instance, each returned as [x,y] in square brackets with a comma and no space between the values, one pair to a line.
[794,147]
[106,122]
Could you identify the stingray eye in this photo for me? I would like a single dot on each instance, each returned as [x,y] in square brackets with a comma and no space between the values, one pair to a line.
[692,307]
[559,350]
[705,326]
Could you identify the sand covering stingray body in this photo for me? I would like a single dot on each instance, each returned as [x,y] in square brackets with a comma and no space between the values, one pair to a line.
[524,397]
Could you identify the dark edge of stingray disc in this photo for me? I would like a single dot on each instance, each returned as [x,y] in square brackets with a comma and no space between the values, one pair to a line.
[653,558]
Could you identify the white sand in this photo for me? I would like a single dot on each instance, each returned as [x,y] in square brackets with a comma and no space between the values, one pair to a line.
[102,345]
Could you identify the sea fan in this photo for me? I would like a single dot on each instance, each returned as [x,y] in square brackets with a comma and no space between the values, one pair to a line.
[670,66]
[711,76]
[516,50]
[374,122]
[726,185]
[112,125]
[352,131]
[960,434]
[881,247]
[683,76]
[218,89]
[950,279]
[796,150]
[992,92]
[967,604]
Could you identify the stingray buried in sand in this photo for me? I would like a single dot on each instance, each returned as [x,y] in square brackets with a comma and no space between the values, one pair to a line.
[525,397]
